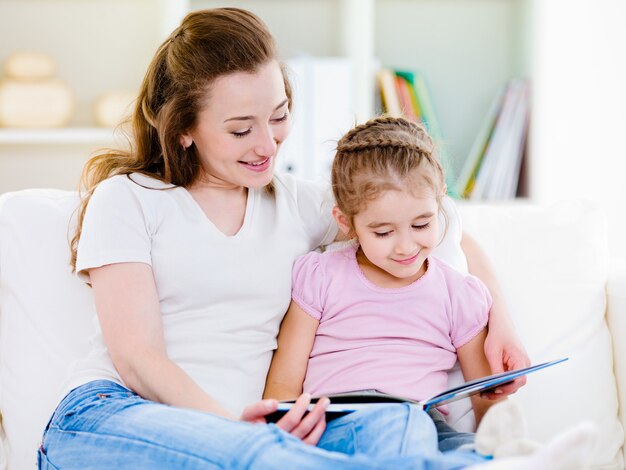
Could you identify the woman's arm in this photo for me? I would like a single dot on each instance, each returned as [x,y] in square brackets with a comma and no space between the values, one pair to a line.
[128,309]
[503,348]
[474,365]
[289,364]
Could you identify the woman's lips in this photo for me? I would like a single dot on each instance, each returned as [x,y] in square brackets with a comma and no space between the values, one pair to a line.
[259,166]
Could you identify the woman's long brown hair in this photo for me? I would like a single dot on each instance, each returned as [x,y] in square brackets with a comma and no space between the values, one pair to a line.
[208,44]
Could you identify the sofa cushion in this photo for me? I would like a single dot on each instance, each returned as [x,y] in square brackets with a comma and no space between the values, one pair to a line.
[552,262]
[46,314]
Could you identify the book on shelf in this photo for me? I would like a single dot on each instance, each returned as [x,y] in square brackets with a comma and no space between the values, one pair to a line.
[343,403]
[389,92]
[492,167]
[405,93]
[406,97]
[467,176]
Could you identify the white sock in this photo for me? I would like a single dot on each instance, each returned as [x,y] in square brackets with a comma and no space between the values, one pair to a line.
[570,450]
[502,432]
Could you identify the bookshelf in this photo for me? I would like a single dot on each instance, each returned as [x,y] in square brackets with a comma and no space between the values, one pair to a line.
[466,48]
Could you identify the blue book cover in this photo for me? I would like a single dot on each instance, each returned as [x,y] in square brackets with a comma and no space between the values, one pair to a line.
[343,403]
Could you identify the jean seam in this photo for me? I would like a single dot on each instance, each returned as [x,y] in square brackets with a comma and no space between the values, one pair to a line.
[278,434]
[143,441]
[43,456]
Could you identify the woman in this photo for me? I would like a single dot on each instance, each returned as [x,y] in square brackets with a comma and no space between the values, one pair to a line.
[188,242]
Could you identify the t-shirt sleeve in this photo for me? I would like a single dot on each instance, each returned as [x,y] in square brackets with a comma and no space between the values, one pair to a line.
[115,228]
[315,204]
[307,287]
[471,303]
[449,250]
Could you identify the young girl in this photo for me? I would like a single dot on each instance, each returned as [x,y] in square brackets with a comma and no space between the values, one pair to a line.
[382,313]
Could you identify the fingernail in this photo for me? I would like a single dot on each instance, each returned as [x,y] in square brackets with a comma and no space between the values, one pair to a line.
[270,404]
[498,392]
[325,402]
[307,396]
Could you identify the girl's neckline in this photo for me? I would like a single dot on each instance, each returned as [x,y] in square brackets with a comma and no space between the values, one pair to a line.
[372,285]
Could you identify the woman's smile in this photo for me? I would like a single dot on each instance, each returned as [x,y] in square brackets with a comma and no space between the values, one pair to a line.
[258,166]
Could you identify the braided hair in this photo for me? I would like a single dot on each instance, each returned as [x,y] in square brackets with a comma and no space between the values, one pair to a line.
[385,153]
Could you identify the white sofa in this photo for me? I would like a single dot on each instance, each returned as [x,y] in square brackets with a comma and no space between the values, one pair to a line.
[552,263]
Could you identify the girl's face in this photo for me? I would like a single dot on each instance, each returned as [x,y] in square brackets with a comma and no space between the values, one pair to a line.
[396,232]
[239,131]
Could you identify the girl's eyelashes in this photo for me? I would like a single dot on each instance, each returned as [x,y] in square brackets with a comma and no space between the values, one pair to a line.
[382,234]
[414,227]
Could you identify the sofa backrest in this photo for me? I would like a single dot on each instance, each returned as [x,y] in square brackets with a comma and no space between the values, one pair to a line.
[46,314]
[552,264]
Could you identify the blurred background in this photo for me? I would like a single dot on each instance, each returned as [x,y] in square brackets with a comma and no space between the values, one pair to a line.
[526,98]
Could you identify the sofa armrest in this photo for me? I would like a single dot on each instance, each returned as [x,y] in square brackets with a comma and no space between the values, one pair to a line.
[616,318]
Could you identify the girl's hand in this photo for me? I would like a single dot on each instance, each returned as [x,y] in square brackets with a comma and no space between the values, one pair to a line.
[308,427]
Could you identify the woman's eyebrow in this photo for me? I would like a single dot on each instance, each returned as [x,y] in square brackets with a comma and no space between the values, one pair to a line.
[247,118]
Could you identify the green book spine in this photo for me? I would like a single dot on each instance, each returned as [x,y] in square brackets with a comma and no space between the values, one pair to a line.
[429,117]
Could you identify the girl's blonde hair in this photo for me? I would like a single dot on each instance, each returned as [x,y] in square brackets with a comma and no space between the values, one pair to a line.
[383,154]
[208,44]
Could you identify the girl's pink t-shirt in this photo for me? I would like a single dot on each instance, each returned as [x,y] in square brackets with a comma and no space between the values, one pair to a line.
[397,341]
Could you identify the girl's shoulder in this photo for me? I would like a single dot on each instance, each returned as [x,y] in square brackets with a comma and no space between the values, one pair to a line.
[457,282]
[450,273]
[330,260]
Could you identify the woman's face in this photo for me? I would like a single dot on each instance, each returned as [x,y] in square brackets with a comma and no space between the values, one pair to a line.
[240,129]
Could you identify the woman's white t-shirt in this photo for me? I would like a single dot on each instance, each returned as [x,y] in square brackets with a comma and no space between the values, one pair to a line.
[222,297]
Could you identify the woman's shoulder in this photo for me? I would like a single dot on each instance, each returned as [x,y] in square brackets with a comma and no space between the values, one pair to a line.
[135,185]
[291,186]
[135,181]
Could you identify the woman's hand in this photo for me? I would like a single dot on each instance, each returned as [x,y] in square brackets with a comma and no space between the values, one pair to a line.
[504,352]
[308,427]
[503,348]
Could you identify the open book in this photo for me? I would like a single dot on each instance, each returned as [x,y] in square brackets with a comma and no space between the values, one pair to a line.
[344,403]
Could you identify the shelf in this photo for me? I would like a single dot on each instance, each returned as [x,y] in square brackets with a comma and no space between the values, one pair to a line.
[70,136]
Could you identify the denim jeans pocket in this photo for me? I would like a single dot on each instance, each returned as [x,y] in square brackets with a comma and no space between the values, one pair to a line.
[340,437]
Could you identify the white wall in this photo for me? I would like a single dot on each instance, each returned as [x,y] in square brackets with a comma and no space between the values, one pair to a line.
[579,123]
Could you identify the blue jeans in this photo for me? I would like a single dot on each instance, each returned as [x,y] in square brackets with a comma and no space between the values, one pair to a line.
[448,437]
[102,425]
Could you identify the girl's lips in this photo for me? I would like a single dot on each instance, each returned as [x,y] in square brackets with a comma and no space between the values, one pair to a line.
[408,260]
[258,167]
